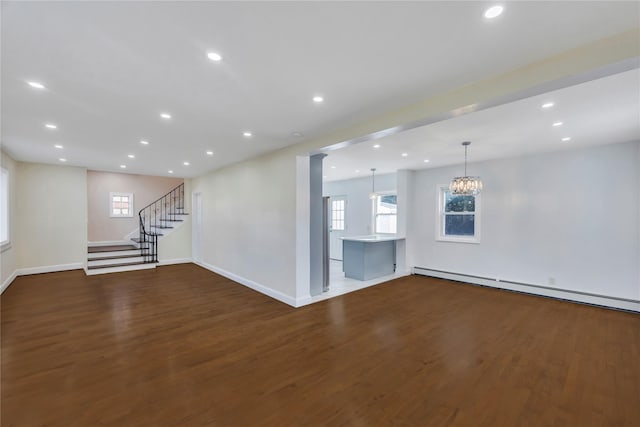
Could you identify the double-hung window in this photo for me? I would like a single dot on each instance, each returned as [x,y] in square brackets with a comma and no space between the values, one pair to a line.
[459,217]
[385,214]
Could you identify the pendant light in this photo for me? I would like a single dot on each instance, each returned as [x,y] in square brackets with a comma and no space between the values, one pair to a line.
[465,185]
[373,194]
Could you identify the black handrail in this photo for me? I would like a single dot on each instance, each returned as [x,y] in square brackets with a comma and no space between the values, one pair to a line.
[158,215]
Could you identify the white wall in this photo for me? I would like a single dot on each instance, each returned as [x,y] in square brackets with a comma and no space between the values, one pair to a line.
[357,190]
[8,261]
[567,219]
[248,223]
[52,221]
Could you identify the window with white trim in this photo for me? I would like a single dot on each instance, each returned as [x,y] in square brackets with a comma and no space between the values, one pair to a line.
[337,214]
[4,207]
[385,214]
[459,217]
[120,205]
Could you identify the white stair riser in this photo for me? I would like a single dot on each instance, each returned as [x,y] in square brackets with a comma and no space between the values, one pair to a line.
[119,269]
[113,253]
[114,261]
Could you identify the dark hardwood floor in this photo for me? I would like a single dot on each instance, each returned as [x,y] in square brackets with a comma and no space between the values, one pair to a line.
[180,346]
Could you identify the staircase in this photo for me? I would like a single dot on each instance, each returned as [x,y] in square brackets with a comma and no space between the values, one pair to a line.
[155,220]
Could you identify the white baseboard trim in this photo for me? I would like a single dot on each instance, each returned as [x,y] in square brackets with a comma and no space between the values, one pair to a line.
[546,291]
[7,282]
[50,268]
[301,302]
[250,284]
[174,261]
[110,243]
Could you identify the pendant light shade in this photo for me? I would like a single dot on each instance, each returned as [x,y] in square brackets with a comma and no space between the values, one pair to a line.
[465,185]
[373,193]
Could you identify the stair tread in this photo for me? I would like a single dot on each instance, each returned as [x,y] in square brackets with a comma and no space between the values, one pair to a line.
[119,264]
[114,257]
[161,226]
[177,213]
[171,220]
[113,248]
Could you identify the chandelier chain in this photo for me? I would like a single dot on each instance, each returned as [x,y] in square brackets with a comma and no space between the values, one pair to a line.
[465,159]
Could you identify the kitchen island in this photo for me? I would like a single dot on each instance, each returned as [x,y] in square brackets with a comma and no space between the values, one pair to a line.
[369,257]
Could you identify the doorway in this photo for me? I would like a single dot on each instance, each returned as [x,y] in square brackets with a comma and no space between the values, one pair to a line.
[337,225]
[196,229]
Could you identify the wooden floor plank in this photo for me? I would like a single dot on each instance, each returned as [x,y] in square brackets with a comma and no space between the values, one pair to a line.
[181,346]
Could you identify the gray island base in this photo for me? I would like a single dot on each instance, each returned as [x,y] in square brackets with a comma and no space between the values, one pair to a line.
[368,257]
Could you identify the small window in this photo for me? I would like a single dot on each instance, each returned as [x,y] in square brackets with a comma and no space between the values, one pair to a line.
[459,217]
[120,205]
[337,214]
[385,214]
[4,207]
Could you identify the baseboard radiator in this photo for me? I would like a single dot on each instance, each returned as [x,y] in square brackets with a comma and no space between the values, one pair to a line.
[625,304]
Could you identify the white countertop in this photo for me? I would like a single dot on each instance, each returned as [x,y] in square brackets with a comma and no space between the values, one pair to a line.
[373,238]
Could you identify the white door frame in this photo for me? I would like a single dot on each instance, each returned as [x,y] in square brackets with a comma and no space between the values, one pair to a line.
[196,226]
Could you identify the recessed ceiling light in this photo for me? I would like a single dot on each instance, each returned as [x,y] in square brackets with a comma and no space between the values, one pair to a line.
[493,12]
[427,160]
[214,56]
[131,156]
[36,85]
[62,159]
[556,124]
[333,167]
[324,176]
[58,146]
[186,163]
[209,153]
[170,171]
[566,138]
[50,126]
[357,170]
[318,99]
[165,115]
[405,154]
[548,105]
[123,166]
[297,134]
[376,146]
[247,134]
[143,142]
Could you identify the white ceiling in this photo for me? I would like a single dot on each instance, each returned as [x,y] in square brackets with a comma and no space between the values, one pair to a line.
[110,68]
[603,111]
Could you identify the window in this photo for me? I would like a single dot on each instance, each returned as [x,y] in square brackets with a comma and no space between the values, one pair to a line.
[120,205]
[459,217]
[4,207]
[385,213]
[337,214]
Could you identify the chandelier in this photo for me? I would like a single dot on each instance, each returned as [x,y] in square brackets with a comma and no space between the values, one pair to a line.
[465,185]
